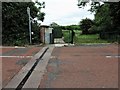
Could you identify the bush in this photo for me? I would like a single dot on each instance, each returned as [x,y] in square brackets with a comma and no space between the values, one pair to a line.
[93,30]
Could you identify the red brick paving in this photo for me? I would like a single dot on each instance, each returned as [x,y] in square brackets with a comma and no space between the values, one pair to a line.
[82,67]
[10,66]
[9,69]
[6,50]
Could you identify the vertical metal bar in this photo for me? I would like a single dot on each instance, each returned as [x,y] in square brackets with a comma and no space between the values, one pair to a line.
[28,11]
[69,37]
[0,44]
[30,29]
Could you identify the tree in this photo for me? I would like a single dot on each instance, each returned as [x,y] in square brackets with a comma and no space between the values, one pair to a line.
[94,4]
[85,25]
[15,21]
[53,24]
[107,17]
[71,27]
[111,9]
[103,20]
[115,15]
[57,30]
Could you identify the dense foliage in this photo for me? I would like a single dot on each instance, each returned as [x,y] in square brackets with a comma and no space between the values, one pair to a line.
[53,24]
[15,22]
[67,27]
[107,19]
[85,25]
[57,30]
[71,27]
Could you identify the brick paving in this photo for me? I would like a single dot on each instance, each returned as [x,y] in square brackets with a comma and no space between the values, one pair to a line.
[12,65]
[82,67]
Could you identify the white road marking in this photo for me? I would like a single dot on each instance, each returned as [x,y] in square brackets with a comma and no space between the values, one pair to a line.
[112,56]
[16,56]
[11,47]
[117,56]
[108,56]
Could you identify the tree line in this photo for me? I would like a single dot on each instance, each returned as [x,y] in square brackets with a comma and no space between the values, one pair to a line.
[15,22]
[67,27]
[106,22]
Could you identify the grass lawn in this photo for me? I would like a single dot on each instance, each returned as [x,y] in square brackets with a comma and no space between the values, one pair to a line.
[79,39]
[82,39]
[67,36]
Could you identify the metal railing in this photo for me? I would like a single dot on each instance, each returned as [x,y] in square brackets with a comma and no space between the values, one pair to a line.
[111,36]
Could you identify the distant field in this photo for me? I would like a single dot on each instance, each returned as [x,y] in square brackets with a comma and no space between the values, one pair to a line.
[82,39]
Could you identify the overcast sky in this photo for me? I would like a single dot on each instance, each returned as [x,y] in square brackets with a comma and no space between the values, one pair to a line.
[64,12]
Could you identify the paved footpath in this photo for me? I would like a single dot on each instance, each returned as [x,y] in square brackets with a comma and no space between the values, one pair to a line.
[82,67]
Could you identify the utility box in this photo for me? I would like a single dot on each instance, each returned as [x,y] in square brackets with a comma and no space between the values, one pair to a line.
[46,34]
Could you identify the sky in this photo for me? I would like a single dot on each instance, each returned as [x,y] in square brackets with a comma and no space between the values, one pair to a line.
[64,12]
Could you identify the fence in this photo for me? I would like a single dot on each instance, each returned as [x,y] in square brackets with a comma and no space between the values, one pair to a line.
[57,32]
[110,36]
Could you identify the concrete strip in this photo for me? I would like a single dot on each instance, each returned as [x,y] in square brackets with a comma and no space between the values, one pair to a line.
[23,72]
[17,79]
[34,80]
[62,45]
[36,76]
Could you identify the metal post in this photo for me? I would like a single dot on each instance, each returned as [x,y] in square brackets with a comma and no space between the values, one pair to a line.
[28,11]
[69,37]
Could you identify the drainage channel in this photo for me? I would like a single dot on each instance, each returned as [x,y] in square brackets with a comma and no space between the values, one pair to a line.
[19,87]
